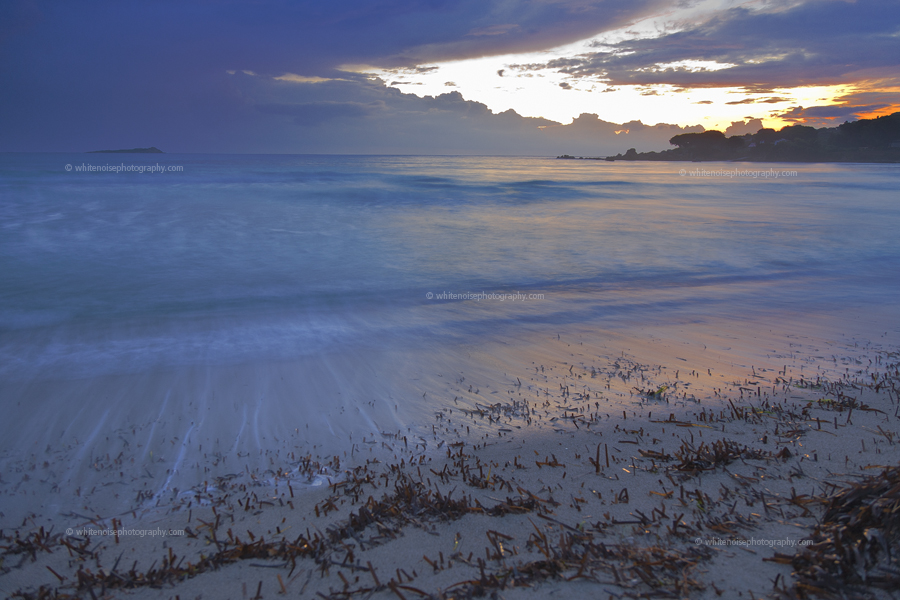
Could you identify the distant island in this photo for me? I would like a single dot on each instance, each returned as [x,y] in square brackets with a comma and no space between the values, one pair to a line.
[150,150]
[866,140]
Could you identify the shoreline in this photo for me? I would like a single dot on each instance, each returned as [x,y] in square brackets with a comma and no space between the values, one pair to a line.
[514,470]
[617,158]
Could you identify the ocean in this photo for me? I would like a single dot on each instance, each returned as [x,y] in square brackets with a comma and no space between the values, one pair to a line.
[242,298]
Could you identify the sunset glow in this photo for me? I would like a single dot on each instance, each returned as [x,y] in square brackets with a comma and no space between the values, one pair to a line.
[543,84]
[412,78]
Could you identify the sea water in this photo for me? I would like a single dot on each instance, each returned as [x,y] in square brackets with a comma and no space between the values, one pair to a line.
[235,258]
[134,269]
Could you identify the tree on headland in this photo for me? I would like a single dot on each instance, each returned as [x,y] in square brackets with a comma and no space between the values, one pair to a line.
[866,140]
[707,145]
[880,132]
[698,141]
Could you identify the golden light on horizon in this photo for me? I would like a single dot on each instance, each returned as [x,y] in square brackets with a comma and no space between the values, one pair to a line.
[529,85]
[559,97]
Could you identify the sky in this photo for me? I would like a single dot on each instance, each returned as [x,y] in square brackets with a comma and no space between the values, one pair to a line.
[538,77]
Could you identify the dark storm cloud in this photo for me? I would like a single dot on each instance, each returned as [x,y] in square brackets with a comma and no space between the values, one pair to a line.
[812,43]
[830,112]
[117,72]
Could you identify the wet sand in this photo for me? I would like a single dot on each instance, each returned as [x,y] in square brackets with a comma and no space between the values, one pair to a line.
[684,460]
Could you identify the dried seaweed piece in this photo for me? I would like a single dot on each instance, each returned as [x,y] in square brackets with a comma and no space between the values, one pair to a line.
[707,457]
[857,543]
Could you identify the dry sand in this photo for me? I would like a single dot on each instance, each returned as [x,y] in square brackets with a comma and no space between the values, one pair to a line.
[690,460]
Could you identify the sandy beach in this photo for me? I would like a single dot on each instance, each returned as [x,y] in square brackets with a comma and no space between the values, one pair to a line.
[691,460]
[399,300]
[252,382]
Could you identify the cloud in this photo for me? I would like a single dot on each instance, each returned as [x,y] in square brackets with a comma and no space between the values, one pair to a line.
[306,37]
[294,78]
[809,43]
[17,17]
[495,27]
[882,93]
[885,91]
[311,114]
[827,115]
[743,128]
[364,116]
[589,135]
[771,100]
[109,73]
[494,30]
[264,76]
